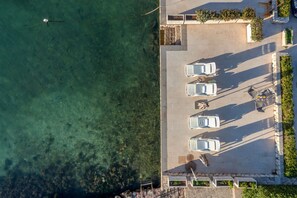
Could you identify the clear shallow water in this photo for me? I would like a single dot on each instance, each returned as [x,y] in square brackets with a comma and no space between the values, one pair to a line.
[79,105]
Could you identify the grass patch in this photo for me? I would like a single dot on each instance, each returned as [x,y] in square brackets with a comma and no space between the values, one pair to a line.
[288,116]
[271,192]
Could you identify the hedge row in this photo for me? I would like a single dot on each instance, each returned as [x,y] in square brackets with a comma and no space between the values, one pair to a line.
[288,116]
[234,14]
[257,29]
[225,14]
[283,8]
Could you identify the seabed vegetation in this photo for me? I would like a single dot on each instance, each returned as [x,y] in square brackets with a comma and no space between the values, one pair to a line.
[79,103]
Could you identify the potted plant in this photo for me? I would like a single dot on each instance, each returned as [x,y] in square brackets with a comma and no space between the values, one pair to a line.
[225,15]
[287,37]
[257,29]
[225,181]
[200,182]
[248,14]
[230,14]
[203,15]
[175,19]
[247,184]
[191,17]
[177,183]
[281,12]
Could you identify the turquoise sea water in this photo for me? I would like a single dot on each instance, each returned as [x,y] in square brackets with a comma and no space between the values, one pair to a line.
[79,98]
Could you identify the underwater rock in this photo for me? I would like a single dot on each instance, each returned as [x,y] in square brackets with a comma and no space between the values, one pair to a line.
[7,163]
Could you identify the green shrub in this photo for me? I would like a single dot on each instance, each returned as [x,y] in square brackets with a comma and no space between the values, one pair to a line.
[225,14]
[290,153]
[233,14]
[203,15]
[177,183]
[214,15]
[257,29]
[230,184]
[230,14]
[225,183]
[201,183]
[288,36]
[248,14]
[283,8]
[271,192]
[247,184]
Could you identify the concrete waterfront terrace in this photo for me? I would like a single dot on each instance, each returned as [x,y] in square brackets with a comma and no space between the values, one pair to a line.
[247,136]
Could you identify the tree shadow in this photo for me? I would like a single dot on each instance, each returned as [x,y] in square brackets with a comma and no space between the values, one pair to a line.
[235,134]
[268,30]
[228,5]
[231,112]
[230,61]
[237,78]
[250,157]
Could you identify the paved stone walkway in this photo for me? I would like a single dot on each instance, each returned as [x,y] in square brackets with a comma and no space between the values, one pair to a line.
[210,193]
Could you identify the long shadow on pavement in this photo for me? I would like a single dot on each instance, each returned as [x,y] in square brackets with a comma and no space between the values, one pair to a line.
[251,157]
[230,61]
[228,5]
[236,134]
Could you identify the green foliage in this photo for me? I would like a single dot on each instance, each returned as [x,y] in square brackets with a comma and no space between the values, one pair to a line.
[289,35]
[283,7]
[230,184]
[271,192]
[248,14]
[257,29]
[205,15]
[177,183]
[288,116]
[247,184]
[225,14]
[201,183]
[230,14]
[225,183]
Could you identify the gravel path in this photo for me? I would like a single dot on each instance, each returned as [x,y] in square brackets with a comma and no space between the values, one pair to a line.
[213,193]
